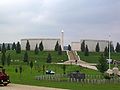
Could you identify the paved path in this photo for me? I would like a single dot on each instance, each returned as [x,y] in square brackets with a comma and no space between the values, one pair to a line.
[79,61]
[26,87]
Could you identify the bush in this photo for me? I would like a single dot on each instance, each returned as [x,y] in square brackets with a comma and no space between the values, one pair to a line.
[107,76]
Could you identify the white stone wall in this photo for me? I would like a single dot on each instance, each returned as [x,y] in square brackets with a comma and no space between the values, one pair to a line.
[76,46]
[49,44]
[92,44]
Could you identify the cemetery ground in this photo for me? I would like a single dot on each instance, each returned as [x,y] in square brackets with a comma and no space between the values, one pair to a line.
[27,77]
[94,56]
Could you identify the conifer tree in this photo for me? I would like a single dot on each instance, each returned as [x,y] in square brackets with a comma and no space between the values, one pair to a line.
[3,59]
[31,65]
[56,46]
[25,59]
[3,48]
[13,46]
[102,64]
[106,52]
[20,70]
[97,48]
[18,48]
[8,47]
[112,48]
[83,46]
[59,50]
[41,47]
[27,46]
[36,50]
[43,69]
[117,47]
[64,69]
[69,47]
[49,58]
[8,59]
[86,51]
[0,48]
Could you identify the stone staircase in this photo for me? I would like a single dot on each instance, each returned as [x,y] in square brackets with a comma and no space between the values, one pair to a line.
[73,57]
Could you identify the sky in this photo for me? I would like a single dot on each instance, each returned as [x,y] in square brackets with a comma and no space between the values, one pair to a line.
[80,19]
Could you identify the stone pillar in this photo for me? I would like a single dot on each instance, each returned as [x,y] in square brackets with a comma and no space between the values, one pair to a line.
[62,40]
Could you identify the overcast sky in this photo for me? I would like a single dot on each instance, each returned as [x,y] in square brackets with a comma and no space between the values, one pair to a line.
[80,19]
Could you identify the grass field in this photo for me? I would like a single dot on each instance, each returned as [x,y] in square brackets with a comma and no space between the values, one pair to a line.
[94,56]
[40,58]
[28,78]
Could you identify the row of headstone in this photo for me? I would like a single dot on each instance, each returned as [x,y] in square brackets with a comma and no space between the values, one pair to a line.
[95,81]
[94,77]
[50,77]
[90,79]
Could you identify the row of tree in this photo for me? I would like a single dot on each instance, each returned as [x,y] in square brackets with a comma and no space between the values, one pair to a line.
[6,59]
[16,47]
[84,48]
[26,58]
[97,48]
[41,47]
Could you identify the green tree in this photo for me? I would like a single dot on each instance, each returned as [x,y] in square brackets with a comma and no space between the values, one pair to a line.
[3,48]
[31,65]
[117,47]
[86,51]
[112,48]
[8,59]
[106,52]
[3,59]
[27,46]
[26,58]
[64,69]
[102,65]
[49,58]
[97,48]
[69,47]
[13,46]
[20,70]
[0,48]
[59,50]
[83,46]
[18,48]
[43,69]
[36,50]
[8,47]
[16,70]
[56,46]
[41,47]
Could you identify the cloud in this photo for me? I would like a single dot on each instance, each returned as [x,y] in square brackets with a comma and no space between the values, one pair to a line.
[79,18]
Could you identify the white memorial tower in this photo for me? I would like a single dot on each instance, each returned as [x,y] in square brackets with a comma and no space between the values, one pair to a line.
[62,39]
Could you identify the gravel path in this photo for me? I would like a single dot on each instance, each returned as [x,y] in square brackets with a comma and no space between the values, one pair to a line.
[26,87]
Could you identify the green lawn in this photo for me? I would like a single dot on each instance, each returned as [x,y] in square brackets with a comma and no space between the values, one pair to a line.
[94,56]
[28,78]
[40,58]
